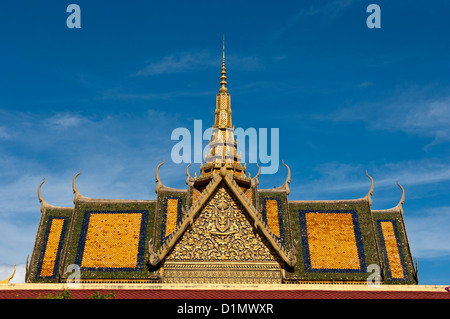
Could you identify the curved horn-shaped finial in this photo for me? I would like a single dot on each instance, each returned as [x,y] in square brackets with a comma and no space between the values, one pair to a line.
[74,187]
[44,204]
[402,199]
[370,193]
[74,184]
[41,199]
[157,180]
[6,281]
[288,179]
[255,180]
[39,191]
[189,179]
[77,196]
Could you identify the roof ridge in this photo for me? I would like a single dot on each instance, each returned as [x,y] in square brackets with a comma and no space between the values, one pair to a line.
[288,257]
[157,255]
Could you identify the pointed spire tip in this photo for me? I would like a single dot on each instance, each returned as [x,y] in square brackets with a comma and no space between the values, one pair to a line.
[223,77]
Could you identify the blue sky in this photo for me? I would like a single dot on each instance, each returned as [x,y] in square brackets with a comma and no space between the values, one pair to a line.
[346,99]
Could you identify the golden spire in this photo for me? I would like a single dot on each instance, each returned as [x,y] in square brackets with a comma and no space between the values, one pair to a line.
[223,77]
[223,146]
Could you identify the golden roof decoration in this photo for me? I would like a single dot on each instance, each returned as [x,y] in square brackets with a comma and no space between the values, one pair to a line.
[223,146]
[160,185]
[44,204]
[6,281]
[77,196]
[155,256]
[370,193]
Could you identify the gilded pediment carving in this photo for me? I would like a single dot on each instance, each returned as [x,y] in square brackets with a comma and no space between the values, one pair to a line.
[222,231]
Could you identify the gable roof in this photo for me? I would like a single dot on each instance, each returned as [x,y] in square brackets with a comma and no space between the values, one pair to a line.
[157,255]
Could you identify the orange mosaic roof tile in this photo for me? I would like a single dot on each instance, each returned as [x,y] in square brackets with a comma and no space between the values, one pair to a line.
[172,215]
[52,246]
[112,240]
[392,252]
[272,216]
[331,241]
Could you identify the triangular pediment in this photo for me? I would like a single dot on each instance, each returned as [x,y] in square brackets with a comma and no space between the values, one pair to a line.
[222,231]
[222,190]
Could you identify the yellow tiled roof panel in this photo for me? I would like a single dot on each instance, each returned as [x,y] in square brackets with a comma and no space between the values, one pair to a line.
[390,242]
[112,240]
[51,249]
[331,240]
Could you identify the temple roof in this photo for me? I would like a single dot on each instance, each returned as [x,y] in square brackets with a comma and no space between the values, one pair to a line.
[157,256]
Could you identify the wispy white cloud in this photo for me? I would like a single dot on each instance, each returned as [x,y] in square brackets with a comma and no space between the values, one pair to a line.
[125,96]
[365,84]
[66,120]
[176,63]
[410,111]
[330,9]
[106,145]
[335,180]
[3,133]
[118,154]
[429,233]
[189,61]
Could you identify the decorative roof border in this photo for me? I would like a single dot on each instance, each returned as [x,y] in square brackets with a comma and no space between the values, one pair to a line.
[157,255]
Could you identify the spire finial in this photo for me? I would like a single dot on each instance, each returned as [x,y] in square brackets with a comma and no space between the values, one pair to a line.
[223,78]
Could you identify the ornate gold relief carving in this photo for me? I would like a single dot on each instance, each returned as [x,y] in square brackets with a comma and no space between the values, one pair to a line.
[222,232]
[222,273]
[222,246]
